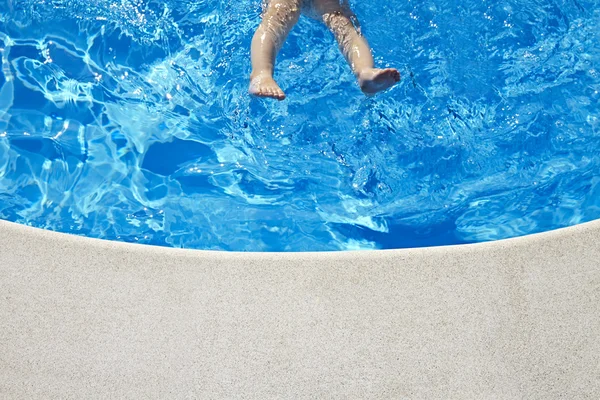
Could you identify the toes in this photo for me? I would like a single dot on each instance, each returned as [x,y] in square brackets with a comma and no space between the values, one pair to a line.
[379,80]
[273,92]
[265,86]
[389,74]
[393,73]
[269,92]
[279,95]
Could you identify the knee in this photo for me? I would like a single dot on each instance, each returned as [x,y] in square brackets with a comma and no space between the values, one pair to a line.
[285,8]
[340,24]
[281,14]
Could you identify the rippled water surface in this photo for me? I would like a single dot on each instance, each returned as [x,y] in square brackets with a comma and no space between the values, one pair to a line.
[129,120]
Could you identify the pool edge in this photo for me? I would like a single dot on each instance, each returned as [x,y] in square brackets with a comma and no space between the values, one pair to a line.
[509,319]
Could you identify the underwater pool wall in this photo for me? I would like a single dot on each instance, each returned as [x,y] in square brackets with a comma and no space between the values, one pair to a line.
[83,318]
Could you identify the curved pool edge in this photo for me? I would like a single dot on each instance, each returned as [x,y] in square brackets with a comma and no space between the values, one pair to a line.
[84,318]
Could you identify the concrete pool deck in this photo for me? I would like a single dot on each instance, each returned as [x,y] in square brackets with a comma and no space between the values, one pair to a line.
[83,318]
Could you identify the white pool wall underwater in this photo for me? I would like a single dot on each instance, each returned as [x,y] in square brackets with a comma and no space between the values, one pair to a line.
[83,318]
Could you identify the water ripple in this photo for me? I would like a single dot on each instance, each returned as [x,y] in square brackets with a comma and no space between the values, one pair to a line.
[130,121]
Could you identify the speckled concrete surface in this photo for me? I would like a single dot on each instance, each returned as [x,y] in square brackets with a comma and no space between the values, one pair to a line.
[85,319]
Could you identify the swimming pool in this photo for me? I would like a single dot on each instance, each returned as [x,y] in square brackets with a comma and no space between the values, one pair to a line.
[130,121]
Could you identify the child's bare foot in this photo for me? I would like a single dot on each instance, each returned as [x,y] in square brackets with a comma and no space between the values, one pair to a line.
[374,80]
[263,85]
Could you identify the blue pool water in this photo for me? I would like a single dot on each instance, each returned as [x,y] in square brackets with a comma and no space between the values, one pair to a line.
[129,120]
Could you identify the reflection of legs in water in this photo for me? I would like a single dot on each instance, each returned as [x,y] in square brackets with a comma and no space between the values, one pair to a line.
[279,18]
[341,21]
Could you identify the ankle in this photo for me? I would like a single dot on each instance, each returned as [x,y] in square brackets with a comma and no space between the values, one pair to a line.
[262,73]
[364,73]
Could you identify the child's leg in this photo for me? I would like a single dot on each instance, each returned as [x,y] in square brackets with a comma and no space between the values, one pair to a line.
[340,20]
[279,18]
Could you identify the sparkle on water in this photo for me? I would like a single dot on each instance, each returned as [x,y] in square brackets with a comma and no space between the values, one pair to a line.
[129,120]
